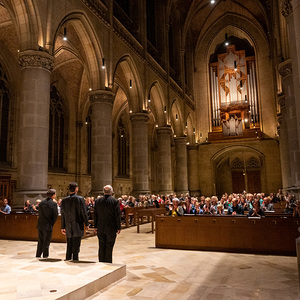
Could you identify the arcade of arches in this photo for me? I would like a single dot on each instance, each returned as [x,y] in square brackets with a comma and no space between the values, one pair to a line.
[149,96]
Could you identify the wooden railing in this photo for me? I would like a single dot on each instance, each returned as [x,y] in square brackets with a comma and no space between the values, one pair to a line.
[22,226]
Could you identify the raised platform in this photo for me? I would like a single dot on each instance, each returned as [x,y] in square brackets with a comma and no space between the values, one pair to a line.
[53,278]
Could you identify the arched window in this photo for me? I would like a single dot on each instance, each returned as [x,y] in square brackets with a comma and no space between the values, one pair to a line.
[56,130]
[4,115]
[253,163]
[88,123]
[123,150]
[237,164]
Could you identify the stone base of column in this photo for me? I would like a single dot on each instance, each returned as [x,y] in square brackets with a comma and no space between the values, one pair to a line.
[137,193]
[178,193]
[96,193]
[21,196]
[166,193]
[295,190]
[196,193]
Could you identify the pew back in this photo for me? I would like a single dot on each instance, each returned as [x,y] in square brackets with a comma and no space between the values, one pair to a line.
[270,235]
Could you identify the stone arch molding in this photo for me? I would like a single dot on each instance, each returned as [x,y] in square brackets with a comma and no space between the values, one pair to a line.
[157,103]
[126,73]
[25,20]
[241,152]
[91,45]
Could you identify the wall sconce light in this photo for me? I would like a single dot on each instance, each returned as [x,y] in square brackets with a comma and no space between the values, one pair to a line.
[241,84]
[200,135]
[226,40]
[176,117]
[65,34]
[185,124]
[130,83]
[90,89]
[130,111]
[103,63]
[165,111]
[206,140]
[86,121]
[174,135]
[235,68]
[194,130]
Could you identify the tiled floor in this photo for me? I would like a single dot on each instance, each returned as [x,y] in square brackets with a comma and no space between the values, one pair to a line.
[155,273]
[175,274]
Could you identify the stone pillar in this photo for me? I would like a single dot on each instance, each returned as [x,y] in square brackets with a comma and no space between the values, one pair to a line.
[285,70]
[79,125]
[140,159]
[101,158]
[33,133]
[193,170]
[164,162]
[291,10]
[181,166]
[284,145]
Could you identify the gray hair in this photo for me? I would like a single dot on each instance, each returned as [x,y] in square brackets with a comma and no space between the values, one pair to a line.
[107,189]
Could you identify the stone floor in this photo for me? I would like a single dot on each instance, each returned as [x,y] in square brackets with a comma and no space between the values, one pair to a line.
[158,273]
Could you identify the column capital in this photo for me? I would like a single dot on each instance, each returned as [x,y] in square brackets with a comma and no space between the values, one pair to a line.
[164,130]
[180,140]
[139,118]
[286,8]
[102,96]
[285,68]
[36,59]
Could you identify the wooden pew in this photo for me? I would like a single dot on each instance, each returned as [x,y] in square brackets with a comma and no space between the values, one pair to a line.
[22,226]
[270,235]
[149,212]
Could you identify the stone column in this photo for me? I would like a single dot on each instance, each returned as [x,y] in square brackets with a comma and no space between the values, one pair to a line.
[285,70]
[181,166]
[140,160]
[193,170]
[101,158]
[33,133]
[291,10]
[164,163]
[284,145]
[79,125]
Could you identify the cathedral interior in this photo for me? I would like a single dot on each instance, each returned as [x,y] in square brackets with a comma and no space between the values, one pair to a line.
[151,96]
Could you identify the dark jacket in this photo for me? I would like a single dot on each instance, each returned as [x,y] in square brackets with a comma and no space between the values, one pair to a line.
[73,216]
[47,214]
[107,215]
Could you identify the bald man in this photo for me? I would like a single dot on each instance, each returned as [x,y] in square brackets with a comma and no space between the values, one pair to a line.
[107,223]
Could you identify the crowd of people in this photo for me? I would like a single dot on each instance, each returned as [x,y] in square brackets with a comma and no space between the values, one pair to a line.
[252,205]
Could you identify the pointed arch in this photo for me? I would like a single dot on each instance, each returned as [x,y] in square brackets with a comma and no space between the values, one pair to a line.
[176,118]
[92,54]
[127,74]
[157,103]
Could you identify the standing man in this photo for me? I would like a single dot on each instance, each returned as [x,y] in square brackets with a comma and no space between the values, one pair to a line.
[107,223]
[73,219]
[47,218]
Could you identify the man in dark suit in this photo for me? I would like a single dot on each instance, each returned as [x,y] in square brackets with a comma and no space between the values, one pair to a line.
[47,218]
[74,221]
[107,223]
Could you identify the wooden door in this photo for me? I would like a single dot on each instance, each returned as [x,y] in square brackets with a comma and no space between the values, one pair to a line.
[254,183]
[238,181]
